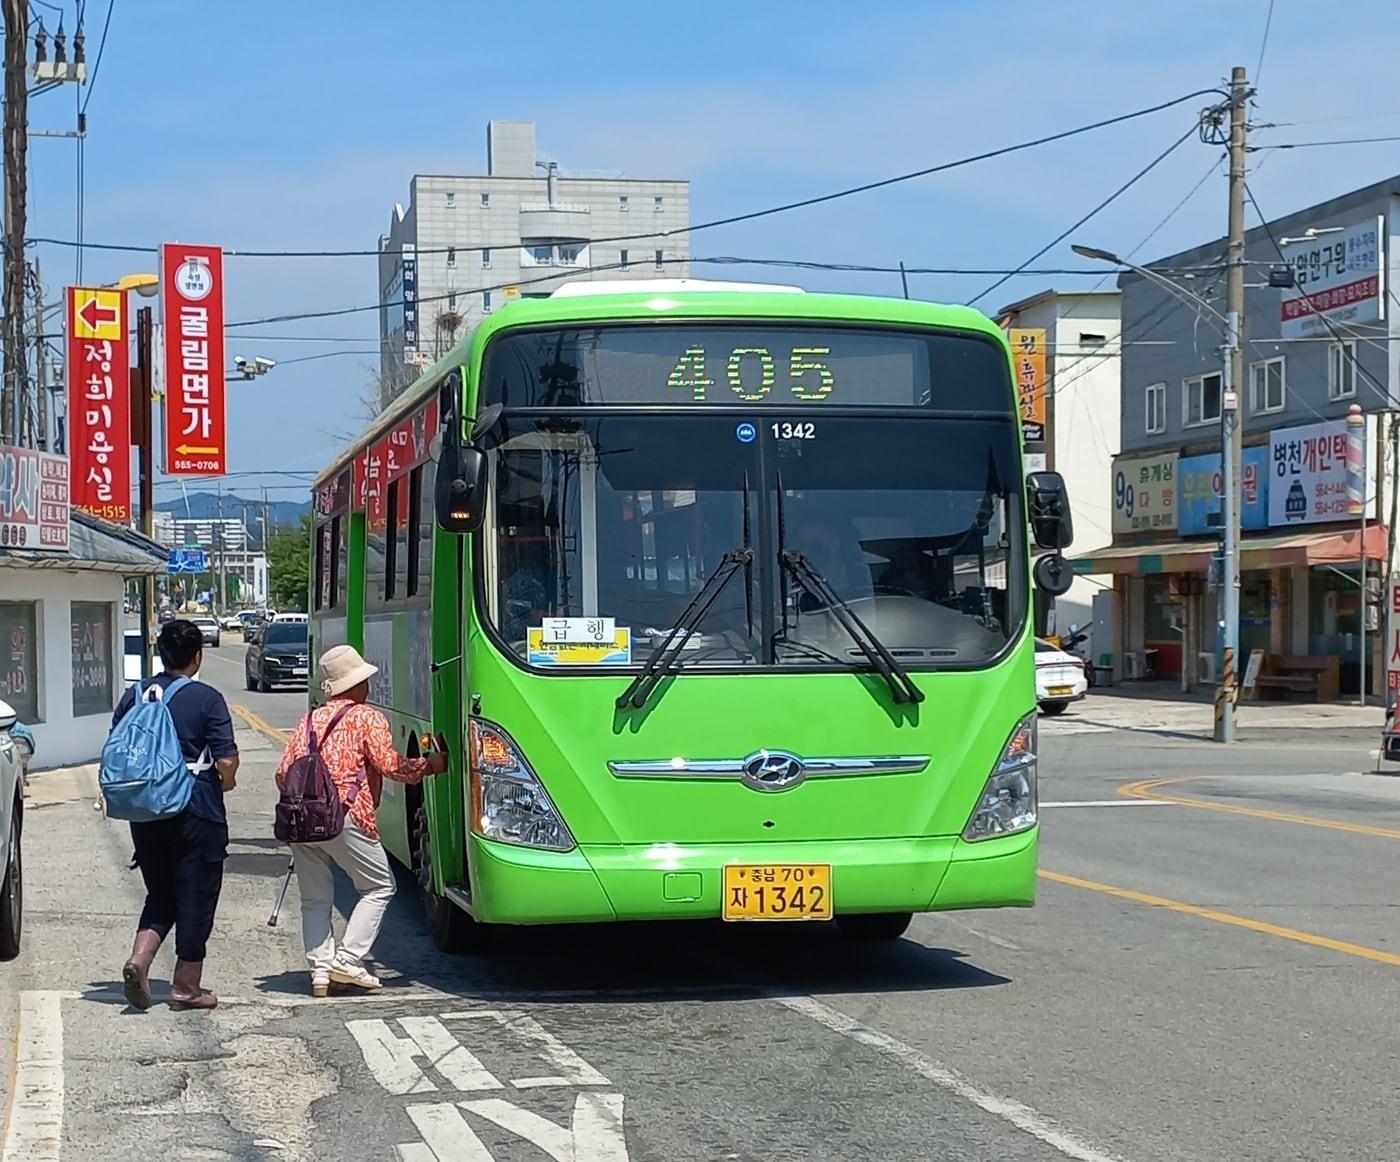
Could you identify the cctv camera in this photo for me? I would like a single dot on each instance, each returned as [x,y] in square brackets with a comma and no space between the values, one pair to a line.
[265,363]
[239,361]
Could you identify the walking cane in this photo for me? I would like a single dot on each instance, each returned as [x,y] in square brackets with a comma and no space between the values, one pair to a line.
[282,895]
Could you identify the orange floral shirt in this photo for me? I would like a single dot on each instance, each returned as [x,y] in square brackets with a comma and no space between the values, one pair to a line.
[359,749]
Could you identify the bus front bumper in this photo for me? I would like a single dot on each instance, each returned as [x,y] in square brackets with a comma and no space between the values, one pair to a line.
[513,885]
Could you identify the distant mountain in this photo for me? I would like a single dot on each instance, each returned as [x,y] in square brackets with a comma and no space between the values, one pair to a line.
[205,506]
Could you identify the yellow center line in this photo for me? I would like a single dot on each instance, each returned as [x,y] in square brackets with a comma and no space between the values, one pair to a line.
[261,725]
[1282,933]
[1152,789]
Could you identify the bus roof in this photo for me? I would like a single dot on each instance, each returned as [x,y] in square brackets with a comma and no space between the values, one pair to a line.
[646,299]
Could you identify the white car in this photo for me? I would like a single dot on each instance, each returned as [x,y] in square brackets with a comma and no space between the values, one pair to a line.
[11,826]
[296,618]
[1059,678]
[208,628]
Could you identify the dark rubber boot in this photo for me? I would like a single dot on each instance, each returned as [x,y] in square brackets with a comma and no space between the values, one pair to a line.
[136,984]
[185,992]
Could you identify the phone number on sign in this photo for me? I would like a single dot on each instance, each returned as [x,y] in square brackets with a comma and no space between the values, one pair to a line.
[198,465]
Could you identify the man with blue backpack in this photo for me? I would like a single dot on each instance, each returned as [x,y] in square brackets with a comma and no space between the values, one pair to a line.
[166,765]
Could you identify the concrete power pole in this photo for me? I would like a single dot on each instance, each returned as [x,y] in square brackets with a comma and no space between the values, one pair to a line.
[16,153]
[1230,436]
[41,365]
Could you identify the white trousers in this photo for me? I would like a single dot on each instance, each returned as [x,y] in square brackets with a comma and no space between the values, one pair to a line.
[364,861]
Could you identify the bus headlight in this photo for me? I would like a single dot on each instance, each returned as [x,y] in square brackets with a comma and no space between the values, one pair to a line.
[509,804]
[1008,802]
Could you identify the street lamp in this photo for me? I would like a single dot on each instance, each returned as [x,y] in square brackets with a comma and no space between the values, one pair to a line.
[1229,622]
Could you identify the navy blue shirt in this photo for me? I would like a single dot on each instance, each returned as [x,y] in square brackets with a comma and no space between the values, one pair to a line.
[201,720]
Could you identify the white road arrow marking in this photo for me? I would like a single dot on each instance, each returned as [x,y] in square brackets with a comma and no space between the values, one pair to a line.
[391,1059]
[573,1069]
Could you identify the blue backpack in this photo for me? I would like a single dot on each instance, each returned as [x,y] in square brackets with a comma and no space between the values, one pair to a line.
[144,776]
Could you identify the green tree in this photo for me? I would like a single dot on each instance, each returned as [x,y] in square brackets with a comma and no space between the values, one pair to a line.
[289,564]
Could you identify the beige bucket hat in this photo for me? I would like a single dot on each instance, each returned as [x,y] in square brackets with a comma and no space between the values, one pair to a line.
[343,669]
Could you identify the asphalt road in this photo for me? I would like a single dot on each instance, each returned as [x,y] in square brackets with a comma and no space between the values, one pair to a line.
[1212,972]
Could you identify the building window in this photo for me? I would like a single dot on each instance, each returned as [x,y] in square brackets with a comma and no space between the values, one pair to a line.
[622,202]
[622,258]
[660,260]
[569,253]
[19,659]
[1341,369]
[1266,386]
[544,255]
[451,256]
[1092,339]
[451,300]
[658,203]
[485,201]
[94,690]
[486,300]
[451,200]
[1201,400]
[1156,418]
[486,256]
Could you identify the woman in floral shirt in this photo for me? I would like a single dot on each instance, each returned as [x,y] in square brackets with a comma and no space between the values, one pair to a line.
[359,752]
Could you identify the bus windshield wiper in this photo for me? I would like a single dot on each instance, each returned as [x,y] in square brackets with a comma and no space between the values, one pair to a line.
[663,659]
[902,687]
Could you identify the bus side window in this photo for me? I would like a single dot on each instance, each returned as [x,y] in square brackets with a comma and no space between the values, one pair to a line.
[420,529]
[394,563]
[338,557]
[318,589]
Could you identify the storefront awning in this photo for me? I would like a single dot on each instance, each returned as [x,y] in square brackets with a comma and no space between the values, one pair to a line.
[1256,552]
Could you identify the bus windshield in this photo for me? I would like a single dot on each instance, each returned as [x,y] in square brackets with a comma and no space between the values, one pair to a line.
[615,521]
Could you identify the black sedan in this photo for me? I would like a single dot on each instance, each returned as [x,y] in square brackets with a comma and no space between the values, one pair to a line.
[276,656]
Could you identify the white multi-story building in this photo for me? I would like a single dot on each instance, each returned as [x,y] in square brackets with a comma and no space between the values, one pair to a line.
[466,244]
[1077,365]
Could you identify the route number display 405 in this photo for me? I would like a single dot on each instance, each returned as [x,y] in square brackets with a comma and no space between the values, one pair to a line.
[751,374]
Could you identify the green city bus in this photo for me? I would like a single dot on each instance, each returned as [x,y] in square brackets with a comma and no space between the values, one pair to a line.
[721,597]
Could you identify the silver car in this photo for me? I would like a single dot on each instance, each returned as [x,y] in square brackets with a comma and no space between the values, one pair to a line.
[209,628]
[11,826]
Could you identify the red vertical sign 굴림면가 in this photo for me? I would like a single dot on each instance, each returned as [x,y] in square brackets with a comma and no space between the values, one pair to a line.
[196,433]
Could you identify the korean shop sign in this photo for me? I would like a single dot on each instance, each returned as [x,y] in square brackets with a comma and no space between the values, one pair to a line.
[1308,473]
[1144,493]
[1392,643]
[1028,358]
[1199,491]
[1338,280]
[196,433]
[99,404]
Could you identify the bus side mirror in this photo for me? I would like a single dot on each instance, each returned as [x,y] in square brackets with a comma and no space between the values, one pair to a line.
[459,494]
[1050,516]
[1052,575]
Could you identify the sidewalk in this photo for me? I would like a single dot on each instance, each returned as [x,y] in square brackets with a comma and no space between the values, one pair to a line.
[1162,706]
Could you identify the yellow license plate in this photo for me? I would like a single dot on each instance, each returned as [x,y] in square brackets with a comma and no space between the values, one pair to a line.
[777,891]
[1060,691]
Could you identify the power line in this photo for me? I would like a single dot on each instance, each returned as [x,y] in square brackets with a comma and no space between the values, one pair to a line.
[97,63]
[1264,44]
[1317,144]
[1123,189]
[733,219]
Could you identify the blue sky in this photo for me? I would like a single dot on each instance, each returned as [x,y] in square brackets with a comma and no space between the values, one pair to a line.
[275,125]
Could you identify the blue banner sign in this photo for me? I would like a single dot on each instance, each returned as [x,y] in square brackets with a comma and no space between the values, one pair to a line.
[1198,484]
[186,561]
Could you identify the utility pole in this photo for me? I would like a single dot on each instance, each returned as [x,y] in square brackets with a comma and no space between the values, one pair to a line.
[1232,383]
[143,435]
[41,365]
[16,152]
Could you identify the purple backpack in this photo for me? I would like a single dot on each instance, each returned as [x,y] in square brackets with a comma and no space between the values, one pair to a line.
[309,809]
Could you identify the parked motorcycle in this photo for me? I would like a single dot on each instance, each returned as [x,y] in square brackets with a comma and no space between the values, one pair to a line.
[1071,644]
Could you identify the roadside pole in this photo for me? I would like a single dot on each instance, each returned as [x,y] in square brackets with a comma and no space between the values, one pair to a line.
[144,426]
[1232,380]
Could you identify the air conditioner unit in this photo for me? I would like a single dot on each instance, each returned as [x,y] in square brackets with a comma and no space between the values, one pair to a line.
[1205,667]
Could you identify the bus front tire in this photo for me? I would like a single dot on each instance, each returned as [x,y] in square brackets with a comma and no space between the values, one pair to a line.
[451,929]
[874,925]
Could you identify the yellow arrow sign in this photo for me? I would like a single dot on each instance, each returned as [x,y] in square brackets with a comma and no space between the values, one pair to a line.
[191,450]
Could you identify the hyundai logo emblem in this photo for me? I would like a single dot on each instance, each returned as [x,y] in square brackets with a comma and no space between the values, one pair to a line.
[772,770]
